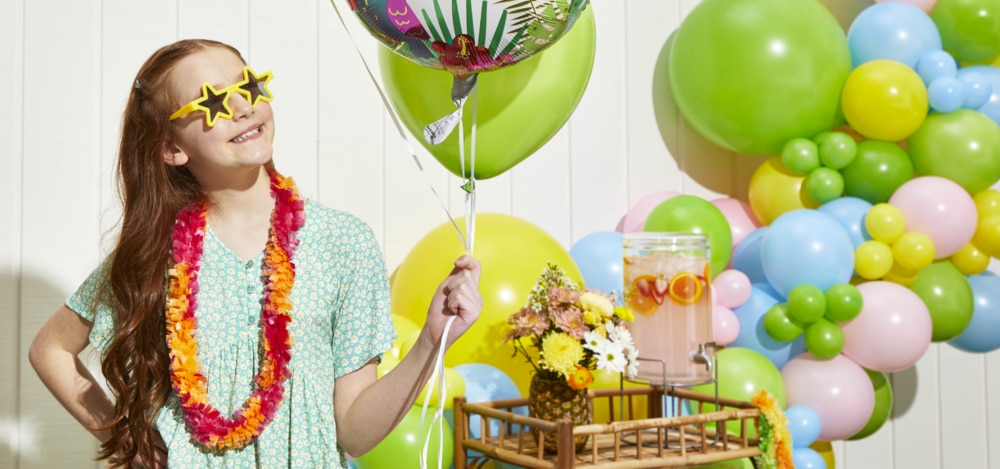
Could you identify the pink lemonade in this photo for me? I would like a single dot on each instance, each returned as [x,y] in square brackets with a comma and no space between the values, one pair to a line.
[667,280]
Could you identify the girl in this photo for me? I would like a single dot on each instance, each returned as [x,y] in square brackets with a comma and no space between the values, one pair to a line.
[239,325]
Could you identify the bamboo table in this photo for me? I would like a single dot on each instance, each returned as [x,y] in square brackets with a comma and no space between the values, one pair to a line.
[651,442]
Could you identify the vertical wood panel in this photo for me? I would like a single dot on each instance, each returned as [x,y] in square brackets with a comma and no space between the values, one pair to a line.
[962,383]
[916,435]
[61,195]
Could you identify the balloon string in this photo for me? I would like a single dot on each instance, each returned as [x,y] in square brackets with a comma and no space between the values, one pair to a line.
[399,126]
[442,391]
[470,219]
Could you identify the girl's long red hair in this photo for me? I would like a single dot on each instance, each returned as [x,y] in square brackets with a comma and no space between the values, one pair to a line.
[136,362]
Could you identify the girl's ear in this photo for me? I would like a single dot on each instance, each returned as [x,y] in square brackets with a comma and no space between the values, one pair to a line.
[173,155]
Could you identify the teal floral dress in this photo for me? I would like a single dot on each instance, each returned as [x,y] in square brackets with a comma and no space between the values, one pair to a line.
[340,321]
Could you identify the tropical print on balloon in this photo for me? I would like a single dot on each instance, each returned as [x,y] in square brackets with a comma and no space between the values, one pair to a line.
[468,37]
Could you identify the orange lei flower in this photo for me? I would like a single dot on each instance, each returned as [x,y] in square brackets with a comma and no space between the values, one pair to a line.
[776,441]
[206,424]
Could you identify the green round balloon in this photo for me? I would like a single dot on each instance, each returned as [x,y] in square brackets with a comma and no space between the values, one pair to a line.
[744,463]
[519,107]
[824,184]
[962,145]
[800,155]
[836,149]
[883,404]
[878,169]
[970,29]
[780,326]
[742,373]
[843,302]
[948,296]
[824,339]
[740,91]
[806,303]
[692,214]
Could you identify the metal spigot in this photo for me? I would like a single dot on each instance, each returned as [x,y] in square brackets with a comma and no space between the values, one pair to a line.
[702,357]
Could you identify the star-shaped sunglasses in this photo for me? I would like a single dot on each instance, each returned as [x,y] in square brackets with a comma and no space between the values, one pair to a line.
[215,103]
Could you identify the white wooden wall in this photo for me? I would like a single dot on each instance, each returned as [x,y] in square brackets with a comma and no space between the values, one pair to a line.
[66,69]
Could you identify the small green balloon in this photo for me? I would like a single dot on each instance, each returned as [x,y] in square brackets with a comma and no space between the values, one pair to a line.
[806,303]
[824,184]
[948,296]
[962,145]
[800,155]
[878,169]
[693,214]
[824,339]
[883,404]
[836,149]
[970,29]
[744,463]
[843,302]
[779,326]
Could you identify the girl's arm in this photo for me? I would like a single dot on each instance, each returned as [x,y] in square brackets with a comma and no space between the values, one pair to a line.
[366,408]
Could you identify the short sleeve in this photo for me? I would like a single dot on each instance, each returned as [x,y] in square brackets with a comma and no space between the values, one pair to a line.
[88,302]
[363,324]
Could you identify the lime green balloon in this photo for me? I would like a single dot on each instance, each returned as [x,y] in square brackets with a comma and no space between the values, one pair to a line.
[970,29]
[883,404]
[824,339]
[800,155]
[742,373]
[692,214]
[780,326]
[843,302]
[948,297]
[836,149]
[406,439]
[744,463]
[962,145]
[824,184]
[750,75]
[876,171]
[806,303]
[518,108]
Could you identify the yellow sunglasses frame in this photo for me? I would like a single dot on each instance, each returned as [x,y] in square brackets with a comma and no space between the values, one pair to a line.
[208,92]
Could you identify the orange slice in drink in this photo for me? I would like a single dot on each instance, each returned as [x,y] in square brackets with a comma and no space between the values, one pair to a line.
[685,288]
[640,297]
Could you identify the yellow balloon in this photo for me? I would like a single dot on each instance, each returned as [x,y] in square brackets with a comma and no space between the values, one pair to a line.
[404,328]
[884,100]
[454,387]
[885,223]
[513,253]
[987,203]
[987,237]
[913,251]
[775,189]
[636,410]
[901,275]
[389,361]
[825,449]
[970,260]
[872,259]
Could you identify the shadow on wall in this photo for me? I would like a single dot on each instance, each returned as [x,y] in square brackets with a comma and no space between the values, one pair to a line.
[35,431]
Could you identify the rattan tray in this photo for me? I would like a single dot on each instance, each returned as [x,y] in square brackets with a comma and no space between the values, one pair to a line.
[622,442]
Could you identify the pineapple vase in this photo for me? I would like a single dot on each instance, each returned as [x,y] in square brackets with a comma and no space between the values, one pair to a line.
[555,401]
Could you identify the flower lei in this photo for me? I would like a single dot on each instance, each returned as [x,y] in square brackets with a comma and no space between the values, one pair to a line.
[775,439]
[206,424]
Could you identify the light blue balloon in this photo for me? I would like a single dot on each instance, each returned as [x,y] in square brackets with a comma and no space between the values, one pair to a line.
[598,255]
[746,256]
[893,31]
[850,212]
[807,458]
[983,332]
[803,424]
[992,107]
[976,88]
[752,333]
[945,94]
[936,64]
[806,246]
[487,383]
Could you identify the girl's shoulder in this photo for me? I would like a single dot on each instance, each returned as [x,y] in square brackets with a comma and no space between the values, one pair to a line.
[335,225]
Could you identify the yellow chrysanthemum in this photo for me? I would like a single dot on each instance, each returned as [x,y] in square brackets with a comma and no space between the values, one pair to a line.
[561,353]
[592,318]
[600,304]
[624,313]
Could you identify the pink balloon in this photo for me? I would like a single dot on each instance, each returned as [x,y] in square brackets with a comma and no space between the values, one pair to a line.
[926,5]
[731,288]
[740,217]
[725,325]
[892,331]
[838,390]
[940,209]
[635,219]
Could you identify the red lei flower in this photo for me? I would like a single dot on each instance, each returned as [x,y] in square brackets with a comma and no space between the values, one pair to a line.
[206,424]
